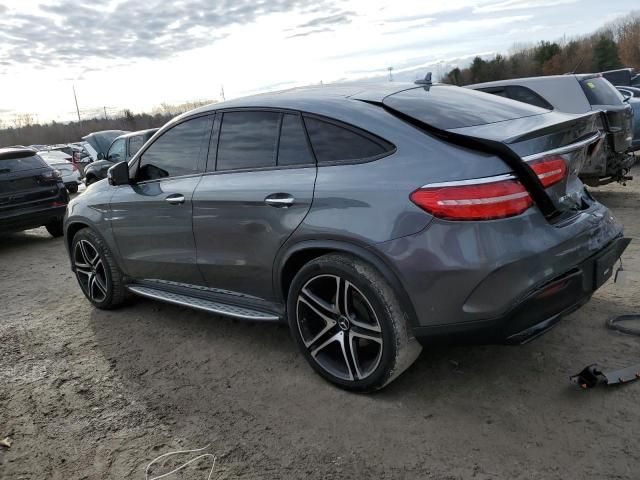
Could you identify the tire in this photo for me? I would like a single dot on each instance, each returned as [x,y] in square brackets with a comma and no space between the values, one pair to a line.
[367,313]
[97,273]
[73,188]
[55,228]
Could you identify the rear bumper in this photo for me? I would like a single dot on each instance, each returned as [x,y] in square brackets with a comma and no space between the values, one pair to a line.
[542,308]
[31,218]
[484,276]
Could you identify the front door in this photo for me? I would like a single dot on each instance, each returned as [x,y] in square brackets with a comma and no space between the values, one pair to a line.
[257,190]
[152,217]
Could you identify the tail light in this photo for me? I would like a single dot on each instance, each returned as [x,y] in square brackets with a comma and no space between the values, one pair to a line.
[51,175]
[486,198]
[550,170]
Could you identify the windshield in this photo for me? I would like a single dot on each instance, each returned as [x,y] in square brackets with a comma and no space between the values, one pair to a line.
[11,165]
[599,91]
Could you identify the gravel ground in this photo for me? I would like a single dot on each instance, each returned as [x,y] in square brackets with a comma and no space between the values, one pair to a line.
[92,394]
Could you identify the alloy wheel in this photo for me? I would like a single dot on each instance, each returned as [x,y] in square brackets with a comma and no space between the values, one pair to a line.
[90,270]
[339,327]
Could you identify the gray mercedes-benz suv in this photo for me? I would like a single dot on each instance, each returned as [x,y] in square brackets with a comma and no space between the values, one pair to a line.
[371,218]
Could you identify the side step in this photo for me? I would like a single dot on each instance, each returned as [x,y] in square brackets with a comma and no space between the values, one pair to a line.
[202,304]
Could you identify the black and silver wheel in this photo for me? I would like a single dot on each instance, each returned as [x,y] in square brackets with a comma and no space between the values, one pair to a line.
[349,324]
[72,188]
[97,274]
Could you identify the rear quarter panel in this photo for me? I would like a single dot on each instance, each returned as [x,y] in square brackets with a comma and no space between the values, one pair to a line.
[369,202]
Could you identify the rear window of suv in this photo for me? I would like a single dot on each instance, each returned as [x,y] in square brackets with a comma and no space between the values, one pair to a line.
[600,92]
[11,165]
[447,107]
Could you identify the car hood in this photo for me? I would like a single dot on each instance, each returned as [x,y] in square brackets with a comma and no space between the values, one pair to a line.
[100,141]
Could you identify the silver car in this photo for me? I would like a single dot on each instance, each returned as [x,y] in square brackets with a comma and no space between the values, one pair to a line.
[68,170]
[371,218]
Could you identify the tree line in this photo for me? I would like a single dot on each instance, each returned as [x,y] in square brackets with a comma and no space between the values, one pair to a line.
[26,131]
[615,45]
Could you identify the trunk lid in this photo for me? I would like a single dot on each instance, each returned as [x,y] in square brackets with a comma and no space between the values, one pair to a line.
[577,139]
[25,182]
[532,133]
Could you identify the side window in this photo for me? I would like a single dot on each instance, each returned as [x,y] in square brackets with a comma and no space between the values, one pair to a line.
[177,152]
[333,143]
[116,151]
[247,140]
[526,95]
[293,148]
[135,143]
[495,91]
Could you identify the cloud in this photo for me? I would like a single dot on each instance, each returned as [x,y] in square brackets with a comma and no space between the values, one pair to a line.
[70,32]
[519,5]
[337,19]
[311,32]
[326,23]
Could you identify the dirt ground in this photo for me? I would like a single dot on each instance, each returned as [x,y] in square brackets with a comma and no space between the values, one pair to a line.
[89,394]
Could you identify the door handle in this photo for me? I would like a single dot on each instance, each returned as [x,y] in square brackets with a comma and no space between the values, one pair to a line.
[175,199]
[279,200]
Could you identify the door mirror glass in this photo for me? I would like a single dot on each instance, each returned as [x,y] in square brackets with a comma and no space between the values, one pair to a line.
[626,94]
[118,174]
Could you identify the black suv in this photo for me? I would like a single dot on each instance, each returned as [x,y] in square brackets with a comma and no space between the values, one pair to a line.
[32,193]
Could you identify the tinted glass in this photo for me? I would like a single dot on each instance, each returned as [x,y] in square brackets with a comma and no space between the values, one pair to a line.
[116,151]
[600,92]
[10,165]
[293,148]
[135,143]
[177,152]
[448,107]
[332,143]
[526,95]
[248,140]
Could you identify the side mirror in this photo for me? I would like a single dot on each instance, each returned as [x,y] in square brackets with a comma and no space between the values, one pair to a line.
[118,174]
[626,94]
[100,156]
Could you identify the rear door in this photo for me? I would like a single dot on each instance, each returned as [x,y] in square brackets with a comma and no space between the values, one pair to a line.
[257,190]
[151,217]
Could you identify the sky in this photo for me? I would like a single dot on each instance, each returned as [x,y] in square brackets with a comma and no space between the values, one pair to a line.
[138,54]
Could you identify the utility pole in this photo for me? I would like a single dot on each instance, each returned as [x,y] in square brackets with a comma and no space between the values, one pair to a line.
[390,74]
[105,113]
[76,99]
[222,92]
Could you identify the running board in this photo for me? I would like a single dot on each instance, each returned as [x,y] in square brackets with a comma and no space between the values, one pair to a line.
[202,304]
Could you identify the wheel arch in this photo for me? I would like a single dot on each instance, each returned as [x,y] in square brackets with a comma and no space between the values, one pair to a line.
[72,228]
[289,262]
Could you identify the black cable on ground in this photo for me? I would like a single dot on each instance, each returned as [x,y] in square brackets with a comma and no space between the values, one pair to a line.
[618,323]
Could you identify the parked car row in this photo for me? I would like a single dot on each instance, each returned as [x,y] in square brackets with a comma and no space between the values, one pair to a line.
[32,192]
[371,218]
